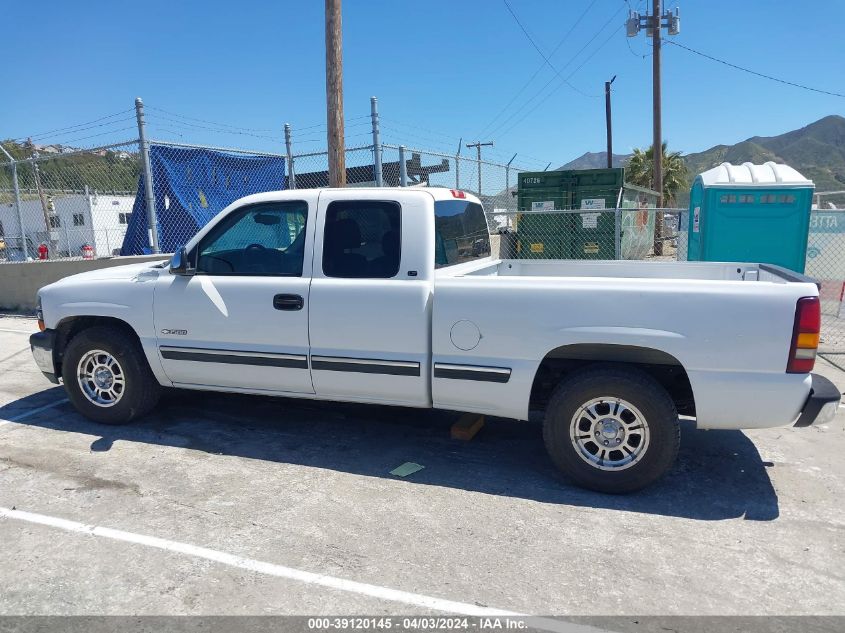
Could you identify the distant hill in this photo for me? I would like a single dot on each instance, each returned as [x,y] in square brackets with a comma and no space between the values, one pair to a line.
[101,170]
[594,160]
[817,151]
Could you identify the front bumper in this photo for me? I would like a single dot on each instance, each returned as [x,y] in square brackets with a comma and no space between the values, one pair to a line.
[823,403]
[42,344]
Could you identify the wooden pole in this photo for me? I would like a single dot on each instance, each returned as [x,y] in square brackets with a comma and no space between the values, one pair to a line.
[334,94]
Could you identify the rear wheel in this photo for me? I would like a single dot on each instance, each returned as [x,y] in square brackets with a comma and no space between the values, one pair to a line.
[612,429]
[106,376]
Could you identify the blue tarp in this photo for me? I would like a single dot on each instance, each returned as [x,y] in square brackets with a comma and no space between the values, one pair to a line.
[191,186]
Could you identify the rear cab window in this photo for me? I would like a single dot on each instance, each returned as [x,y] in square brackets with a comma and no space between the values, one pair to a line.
[460,232]
[362,239]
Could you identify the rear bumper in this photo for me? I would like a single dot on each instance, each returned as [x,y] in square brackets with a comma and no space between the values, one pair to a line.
[822,404]
[42,344]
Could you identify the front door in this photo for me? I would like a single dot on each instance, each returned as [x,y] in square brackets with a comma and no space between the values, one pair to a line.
[241,322]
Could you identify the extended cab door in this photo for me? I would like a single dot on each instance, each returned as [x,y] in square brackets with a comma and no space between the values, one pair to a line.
[371,296]
[241,321]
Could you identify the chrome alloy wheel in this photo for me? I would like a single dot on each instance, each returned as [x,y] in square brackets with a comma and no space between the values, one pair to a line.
[101,378]
[609,433]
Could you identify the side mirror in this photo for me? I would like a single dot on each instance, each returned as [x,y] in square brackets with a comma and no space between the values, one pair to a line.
[179,264]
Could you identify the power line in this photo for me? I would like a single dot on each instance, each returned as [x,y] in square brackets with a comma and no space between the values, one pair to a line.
[539,68]
[556,88]
[754,72]
[542,54]
[548,83]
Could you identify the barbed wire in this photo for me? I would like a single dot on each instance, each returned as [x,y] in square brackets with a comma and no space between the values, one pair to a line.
[182,116]
[76,128]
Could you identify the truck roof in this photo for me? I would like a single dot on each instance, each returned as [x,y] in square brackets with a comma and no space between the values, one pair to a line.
[438,193]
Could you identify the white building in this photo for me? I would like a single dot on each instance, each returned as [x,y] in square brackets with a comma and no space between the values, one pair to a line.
[75,219]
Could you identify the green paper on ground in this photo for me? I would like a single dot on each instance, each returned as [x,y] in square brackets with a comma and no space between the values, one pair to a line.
[408,468]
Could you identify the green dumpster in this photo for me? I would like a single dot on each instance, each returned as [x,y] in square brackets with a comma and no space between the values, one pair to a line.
[571,214]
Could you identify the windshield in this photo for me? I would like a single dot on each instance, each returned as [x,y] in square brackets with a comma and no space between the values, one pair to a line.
[460,232]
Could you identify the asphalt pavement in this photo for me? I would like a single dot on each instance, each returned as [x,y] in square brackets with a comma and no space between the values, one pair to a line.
[241,505]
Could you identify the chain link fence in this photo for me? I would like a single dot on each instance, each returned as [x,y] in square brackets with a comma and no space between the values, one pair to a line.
[68,205]
[618,233]
[826,264]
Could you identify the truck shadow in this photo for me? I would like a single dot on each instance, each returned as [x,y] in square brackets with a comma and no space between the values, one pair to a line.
[719,474]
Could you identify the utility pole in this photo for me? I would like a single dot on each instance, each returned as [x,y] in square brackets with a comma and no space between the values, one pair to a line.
[657,136]
[654,24]
[478,145]
[608,121]
[334,94]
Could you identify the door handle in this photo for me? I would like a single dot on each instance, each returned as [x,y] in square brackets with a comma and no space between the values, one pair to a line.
[288,302]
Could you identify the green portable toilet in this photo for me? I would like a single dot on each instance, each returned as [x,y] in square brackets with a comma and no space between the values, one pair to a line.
[589,232]
[750,213]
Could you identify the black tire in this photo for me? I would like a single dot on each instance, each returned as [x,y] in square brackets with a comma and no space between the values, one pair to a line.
[631,385]
[140,391]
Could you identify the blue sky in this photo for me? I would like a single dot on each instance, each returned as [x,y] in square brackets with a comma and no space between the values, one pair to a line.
[442,70]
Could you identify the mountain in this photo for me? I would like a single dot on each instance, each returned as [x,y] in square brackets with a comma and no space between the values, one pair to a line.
[594,160]
[816,150]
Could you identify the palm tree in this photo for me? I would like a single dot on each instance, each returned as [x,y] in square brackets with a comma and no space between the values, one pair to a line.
[640,171]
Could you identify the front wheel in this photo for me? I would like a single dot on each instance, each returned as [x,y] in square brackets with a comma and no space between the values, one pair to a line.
[612,429]
[106,376]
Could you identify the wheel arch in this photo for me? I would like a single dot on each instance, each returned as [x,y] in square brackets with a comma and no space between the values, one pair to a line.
[69,327]
[564,360]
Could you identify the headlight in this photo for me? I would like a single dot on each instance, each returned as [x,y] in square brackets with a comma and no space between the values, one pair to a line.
[39,314]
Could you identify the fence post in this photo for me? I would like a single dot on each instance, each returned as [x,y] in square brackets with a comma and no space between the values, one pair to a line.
[403,168]
[508,175]
[17,191]
[67,238]
[291,172]
[152,221]
[376,142]
[18,209]
[617,226]
[458,164]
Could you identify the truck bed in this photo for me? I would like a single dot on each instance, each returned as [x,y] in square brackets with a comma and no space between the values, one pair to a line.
[728,325]
[705,271]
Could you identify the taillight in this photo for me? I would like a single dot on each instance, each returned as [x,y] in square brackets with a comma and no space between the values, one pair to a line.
[457,193]
[805,336]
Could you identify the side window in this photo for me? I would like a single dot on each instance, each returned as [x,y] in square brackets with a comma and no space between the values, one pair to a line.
[362,239]
[262,239]
[461,233]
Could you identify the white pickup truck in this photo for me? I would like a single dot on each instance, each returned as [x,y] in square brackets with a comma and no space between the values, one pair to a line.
[390,296]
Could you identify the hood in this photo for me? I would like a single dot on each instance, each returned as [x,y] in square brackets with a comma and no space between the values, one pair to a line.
[129,271]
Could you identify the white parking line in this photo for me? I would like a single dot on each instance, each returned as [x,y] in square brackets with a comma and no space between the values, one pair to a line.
[26,414]
[3,329]
[289,573]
